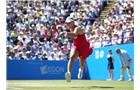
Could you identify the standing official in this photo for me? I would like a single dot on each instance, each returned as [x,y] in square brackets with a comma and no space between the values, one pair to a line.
[110,65]
[126,61]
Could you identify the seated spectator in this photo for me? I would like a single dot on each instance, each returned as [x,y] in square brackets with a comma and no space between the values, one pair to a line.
[109,38]
[116,39]
[8,49]
[39,52]
[24,52]
[65,46]
[28,46]
[20,57]
[129,38]
[60,42]
[97,43]
[12,56]
[62,52]
[44,57]
[105,41]
[51,57]
[32,51]
[36,57]
[15,51]
[59,58]
[20,46]
[48,53]
[28,56]
[55,52]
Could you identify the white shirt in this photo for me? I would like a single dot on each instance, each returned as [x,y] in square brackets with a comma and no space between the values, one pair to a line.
[32,12]
[18,12]
[48,8]
[26,58]
[97,44]
[24,54]
[48,54]
[57,59]
[63,55]
[63,12]
[45,10]
[12,58]
[8,16]
[51,58]
[50,48]
[20,38]
[19,25]
[41,31]
[124,57]
[38,25]
[43,18]
[24,43]
[28,38]
[56,55]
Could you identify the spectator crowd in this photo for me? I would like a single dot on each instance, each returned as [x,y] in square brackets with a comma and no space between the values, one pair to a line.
[33,27]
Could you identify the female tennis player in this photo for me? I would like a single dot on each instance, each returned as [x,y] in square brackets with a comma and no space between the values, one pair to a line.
[80,47]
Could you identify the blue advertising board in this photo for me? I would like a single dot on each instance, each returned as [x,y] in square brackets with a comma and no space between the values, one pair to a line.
[39,70]
[97,62]
[96,66]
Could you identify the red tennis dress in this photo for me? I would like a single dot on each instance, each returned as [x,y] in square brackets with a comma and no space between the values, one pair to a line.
[82,46]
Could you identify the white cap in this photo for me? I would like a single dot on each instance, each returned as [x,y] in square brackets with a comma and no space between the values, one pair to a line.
[66,40]
[68,20]
[28,52]
[26,16]
[78,22]
[8,46]
[42,7]
[55,49]
[26,22]
[28,10]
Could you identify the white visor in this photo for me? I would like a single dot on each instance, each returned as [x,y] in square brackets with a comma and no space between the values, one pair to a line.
[68,20]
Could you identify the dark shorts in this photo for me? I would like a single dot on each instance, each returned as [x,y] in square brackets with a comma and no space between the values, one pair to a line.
[110,66]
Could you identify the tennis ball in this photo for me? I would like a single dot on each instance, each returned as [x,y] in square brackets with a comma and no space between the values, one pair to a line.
[12,34]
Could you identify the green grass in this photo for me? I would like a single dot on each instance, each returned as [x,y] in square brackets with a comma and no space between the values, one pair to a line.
[73,85]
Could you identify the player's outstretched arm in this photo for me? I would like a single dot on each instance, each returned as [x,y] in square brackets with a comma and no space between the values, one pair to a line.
[72,34]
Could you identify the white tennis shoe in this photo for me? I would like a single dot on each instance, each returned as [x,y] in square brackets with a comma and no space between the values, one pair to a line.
[80,74]
[68,76]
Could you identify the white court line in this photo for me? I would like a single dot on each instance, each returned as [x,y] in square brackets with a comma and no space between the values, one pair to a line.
[14,88]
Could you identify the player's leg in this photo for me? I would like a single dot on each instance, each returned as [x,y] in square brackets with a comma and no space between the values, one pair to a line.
[122,73]
[111,74]
[73,55]
[82,65]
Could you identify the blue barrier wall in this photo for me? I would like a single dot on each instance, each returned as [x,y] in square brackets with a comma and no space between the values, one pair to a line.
[97,62]
[96,66]
[37,70]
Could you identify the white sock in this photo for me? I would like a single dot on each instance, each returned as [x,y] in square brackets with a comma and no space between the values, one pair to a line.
[81,69]
[69,73]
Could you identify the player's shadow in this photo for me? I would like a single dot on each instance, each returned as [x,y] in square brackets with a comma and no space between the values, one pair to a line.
[100,87]
[103,87]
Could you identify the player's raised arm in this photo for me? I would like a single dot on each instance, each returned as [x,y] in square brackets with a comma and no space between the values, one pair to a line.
[73,34]
[70,25]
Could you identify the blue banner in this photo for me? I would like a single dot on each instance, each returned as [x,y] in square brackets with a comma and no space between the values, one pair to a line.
[96,66]
[97,62]
[37,70]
